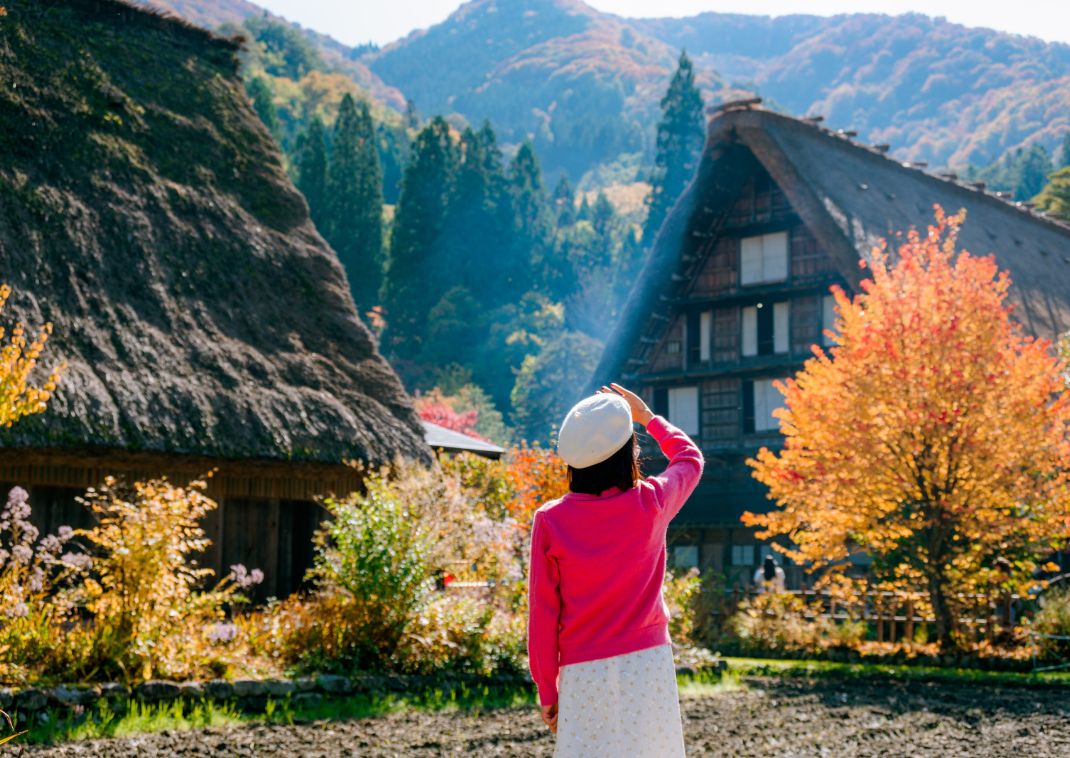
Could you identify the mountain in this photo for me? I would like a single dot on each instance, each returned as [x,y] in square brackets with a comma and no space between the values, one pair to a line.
[583,85]
[936,91]
[209,14]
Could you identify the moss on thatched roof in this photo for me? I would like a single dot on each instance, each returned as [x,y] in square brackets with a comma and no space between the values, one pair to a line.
[850,196]
[145,211]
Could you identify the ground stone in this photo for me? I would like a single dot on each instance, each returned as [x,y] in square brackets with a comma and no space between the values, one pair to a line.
[249,688]
[191,690]
[7,696]
[70,696]
[157,690]
[31,699]
[333,684]
[279,687]
[305,683]
[219,689]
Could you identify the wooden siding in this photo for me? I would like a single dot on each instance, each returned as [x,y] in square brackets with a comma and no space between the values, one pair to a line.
[266,517]
[718,273]
[805,324]
[669,355]
[808,261]
[760,201]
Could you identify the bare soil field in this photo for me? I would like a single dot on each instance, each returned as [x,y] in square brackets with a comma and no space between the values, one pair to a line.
[765,717]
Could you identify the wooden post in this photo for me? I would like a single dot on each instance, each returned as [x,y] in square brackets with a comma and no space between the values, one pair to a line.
[909,630]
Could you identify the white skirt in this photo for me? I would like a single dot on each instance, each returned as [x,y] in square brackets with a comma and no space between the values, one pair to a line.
[627,705]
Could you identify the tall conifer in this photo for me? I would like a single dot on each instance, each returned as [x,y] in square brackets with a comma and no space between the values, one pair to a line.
[263,103]
[409,286]
[680,138]
[312,172]
[532,235]
[355,201]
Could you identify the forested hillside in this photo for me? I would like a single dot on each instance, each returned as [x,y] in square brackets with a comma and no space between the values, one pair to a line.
[936,91]
[584,85]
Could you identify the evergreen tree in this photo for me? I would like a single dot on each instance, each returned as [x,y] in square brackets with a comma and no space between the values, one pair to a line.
[680,139]
[565,202]
[1055,198]
[312,171]
[1064,153]
[354,225]
[475,242]
[263,103]
[409,290]
[1034,165]
[532,242]
[602,214]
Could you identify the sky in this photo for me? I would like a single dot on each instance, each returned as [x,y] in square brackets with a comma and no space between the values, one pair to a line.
[382,21]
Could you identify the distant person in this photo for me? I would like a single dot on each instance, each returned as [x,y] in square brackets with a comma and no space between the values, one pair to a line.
[598,629]
[769,577]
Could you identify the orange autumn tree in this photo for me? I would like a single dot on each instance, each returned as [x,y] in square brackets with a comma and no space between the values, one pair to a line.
[933,436]
[18,358]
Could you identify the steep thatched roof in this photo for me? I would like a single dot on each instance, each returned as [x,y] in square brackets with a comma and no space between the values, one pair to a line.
[145,211]
[850,196]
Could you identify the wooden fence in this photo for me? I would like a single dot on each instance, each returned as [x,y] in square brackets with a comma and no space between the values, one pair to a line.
[896,616]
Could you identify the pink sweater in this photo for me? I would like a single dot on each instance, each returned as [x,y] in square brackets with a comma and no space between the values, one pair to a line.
[597,564]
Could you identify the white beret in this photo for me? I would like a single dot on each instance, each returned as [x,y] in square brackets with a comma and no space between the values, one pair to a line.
[594,429]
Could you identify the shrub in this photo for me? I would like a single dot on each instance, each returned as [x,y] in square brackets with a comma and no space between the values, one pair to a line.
[150,614]
[1053,619]
[33,582]
[372,574]
[779,623]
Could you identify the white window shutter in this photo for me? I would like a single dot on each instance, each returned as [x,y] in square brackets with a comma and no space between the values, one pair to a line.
[750,260]
[683,408]
[750,331]
[781,327]
[775,257]
[705,335]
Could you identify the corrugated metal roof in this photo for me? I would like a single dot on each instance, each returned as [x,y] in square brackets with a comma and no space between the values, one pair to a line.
[441,438]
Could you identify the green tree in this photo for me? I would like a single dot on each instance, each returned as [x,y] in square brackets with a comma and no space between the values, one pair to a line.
[263,103]
[408,291]
[547,383]
[1064,153]
[1055,198]
[564,202]
[312,171]
[533,250]
[355,200]
[1034,166]
[680,139]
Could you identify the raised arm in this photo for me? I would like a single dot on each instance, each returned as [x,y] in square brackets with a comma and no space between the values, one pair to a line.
[544,614]
[676,483]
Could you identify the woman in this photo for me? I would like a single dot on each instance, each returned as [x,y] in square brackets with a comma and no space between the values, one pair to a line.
[769,577]
[598,627]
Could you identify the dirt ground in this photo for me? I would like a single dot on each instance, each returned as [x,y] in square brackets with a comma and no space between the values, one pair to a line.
[766,717]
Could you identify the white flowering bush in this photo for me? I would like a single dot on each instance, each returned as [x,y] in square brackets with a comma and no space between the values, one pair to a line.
[35,582]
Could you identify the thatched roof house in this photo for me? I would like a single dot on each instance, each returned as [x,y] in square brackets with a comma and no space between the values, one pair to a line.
[735,291]
[146,213]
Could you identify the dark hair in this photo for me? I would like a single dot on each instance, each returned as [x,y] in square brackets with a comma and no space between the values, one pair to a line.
[620,470]
[769,569]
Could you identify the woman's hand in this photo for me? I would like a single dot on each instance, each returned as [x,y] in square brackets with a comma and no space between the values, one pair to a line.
[549,716]
[640,412]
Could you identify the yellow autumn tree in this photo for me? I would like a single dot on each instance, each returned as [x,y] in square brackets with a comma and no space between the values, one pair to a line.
[933,435]
[18,358]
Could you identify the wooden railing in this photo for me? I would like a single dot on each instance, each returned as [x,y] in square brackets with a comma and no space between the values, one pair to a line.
[896,616]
